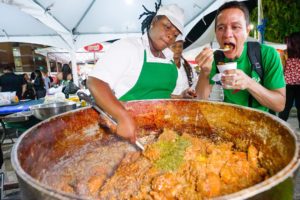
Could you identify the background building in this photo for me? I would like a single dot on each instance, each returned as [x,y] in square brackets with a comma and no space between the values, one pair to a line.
[21,56]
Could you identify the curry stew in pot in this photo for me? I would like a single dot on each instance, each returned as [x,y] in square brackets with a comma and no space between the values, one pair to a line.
[173,166]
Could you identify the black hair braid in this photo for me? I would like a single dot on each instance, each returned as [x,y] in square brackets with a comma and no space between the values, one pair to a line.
[189,72]
[149,16]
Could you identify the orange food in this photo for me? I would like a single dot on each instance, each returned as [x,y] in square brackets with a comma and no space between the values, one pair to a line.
[207,171]
[15,99]
[95,182]
[200,169]
[210,186]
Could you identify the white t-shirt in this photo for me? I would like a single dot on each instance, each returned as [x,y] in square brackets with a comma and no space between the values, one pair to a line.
[121,65]
[182,80]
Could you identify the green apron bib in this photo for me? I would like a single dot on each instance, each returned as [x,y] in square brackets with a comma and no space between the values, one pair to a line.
[156,81]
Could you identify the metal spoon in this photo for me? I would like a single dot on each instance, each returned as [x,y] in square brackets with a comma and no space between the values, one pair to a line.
[218,49]
[85,97]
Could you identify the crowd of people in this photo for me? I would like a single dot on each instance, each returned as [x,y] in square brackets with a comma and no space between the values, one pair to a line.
[38,83]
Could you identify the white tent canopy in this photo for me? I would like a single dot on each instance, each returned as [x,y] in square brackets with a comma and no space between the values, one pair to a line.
[75,23]
[72,24]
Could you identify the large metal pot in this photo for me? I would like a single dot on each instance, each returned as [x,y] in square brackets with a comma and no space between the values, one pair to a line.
[42,146]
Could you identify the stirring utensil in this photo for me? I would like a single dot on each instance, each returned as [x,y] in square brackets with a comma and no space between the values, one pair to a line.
[85,97]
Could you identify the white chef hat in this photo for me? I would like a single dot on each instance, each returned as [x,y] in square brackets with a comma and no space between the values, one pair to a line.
[180,38]
[174,13]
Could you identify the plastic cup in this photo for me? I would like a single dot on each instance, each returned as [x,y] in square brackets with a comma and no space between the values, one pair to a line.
[227,66]
[230,68]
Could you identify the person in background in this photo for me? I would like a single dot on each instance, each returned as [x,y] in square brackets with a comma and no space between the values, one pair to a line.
[59,78]
[32,76]
[10,82]
[232,27]
[66,71]
[292,76]
[187,76]
[64,76]
[69,86]
[283,54]
[29,92]
[46,78]
[51,80]
[138,68]
[39,85]
[26,78]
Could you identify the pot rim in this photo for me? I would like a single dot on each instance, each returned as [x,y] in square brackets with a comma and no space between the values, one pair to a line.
[265,185]
[33,182]
[49,105]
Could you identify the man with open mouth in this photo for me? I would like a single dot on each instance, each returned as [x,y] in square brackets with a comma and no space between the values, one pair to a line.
[242,86]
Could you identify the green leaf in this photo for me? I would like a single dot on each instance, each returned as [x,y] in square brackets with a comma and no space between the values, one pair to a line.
[283,18]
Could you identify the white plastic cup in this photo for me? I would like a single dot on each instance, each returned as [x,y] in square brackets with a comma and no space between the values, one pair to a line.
[227,66]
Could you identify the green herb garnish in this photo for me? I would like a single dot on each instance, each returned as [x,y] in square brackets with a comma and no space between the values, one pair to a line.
[171,153]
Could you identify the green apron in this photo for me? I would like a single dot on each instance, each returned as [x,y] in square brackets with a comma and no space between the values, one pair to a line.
[156,81]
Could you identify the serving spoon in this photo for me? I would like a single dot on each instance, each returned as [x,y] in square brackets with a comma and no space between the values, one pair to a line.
[85,97]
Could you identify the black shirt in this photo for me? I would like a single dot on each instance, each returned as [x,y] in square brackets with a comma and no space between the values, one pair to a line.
[39,84]
[10,82]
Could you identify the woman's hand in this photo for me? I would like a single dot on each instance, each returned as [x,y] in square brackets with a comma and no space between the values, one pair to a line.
[127,128]
[105,99]
[189,94]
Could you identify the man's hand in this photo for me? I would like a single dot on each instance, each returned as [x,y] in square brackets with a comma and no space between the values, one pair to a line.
[235,79]
[238,80]
[205,60]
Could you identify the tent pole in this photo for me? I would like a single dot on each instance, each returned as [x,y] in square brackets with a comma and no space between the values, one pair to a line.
[48,64]
[56,66]
[258,19]
[74,66]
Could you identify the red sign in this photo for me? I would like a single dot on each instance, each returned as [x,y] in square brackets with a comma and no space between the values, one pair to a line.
[96,47]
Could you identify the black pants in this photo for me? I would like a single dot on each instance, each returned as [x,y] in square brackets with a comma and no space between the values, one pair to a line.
[40,93]
[292,94]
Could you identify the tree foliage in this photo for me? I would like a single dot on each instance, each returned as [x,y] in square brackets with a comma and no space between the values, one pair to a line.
[283,18]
